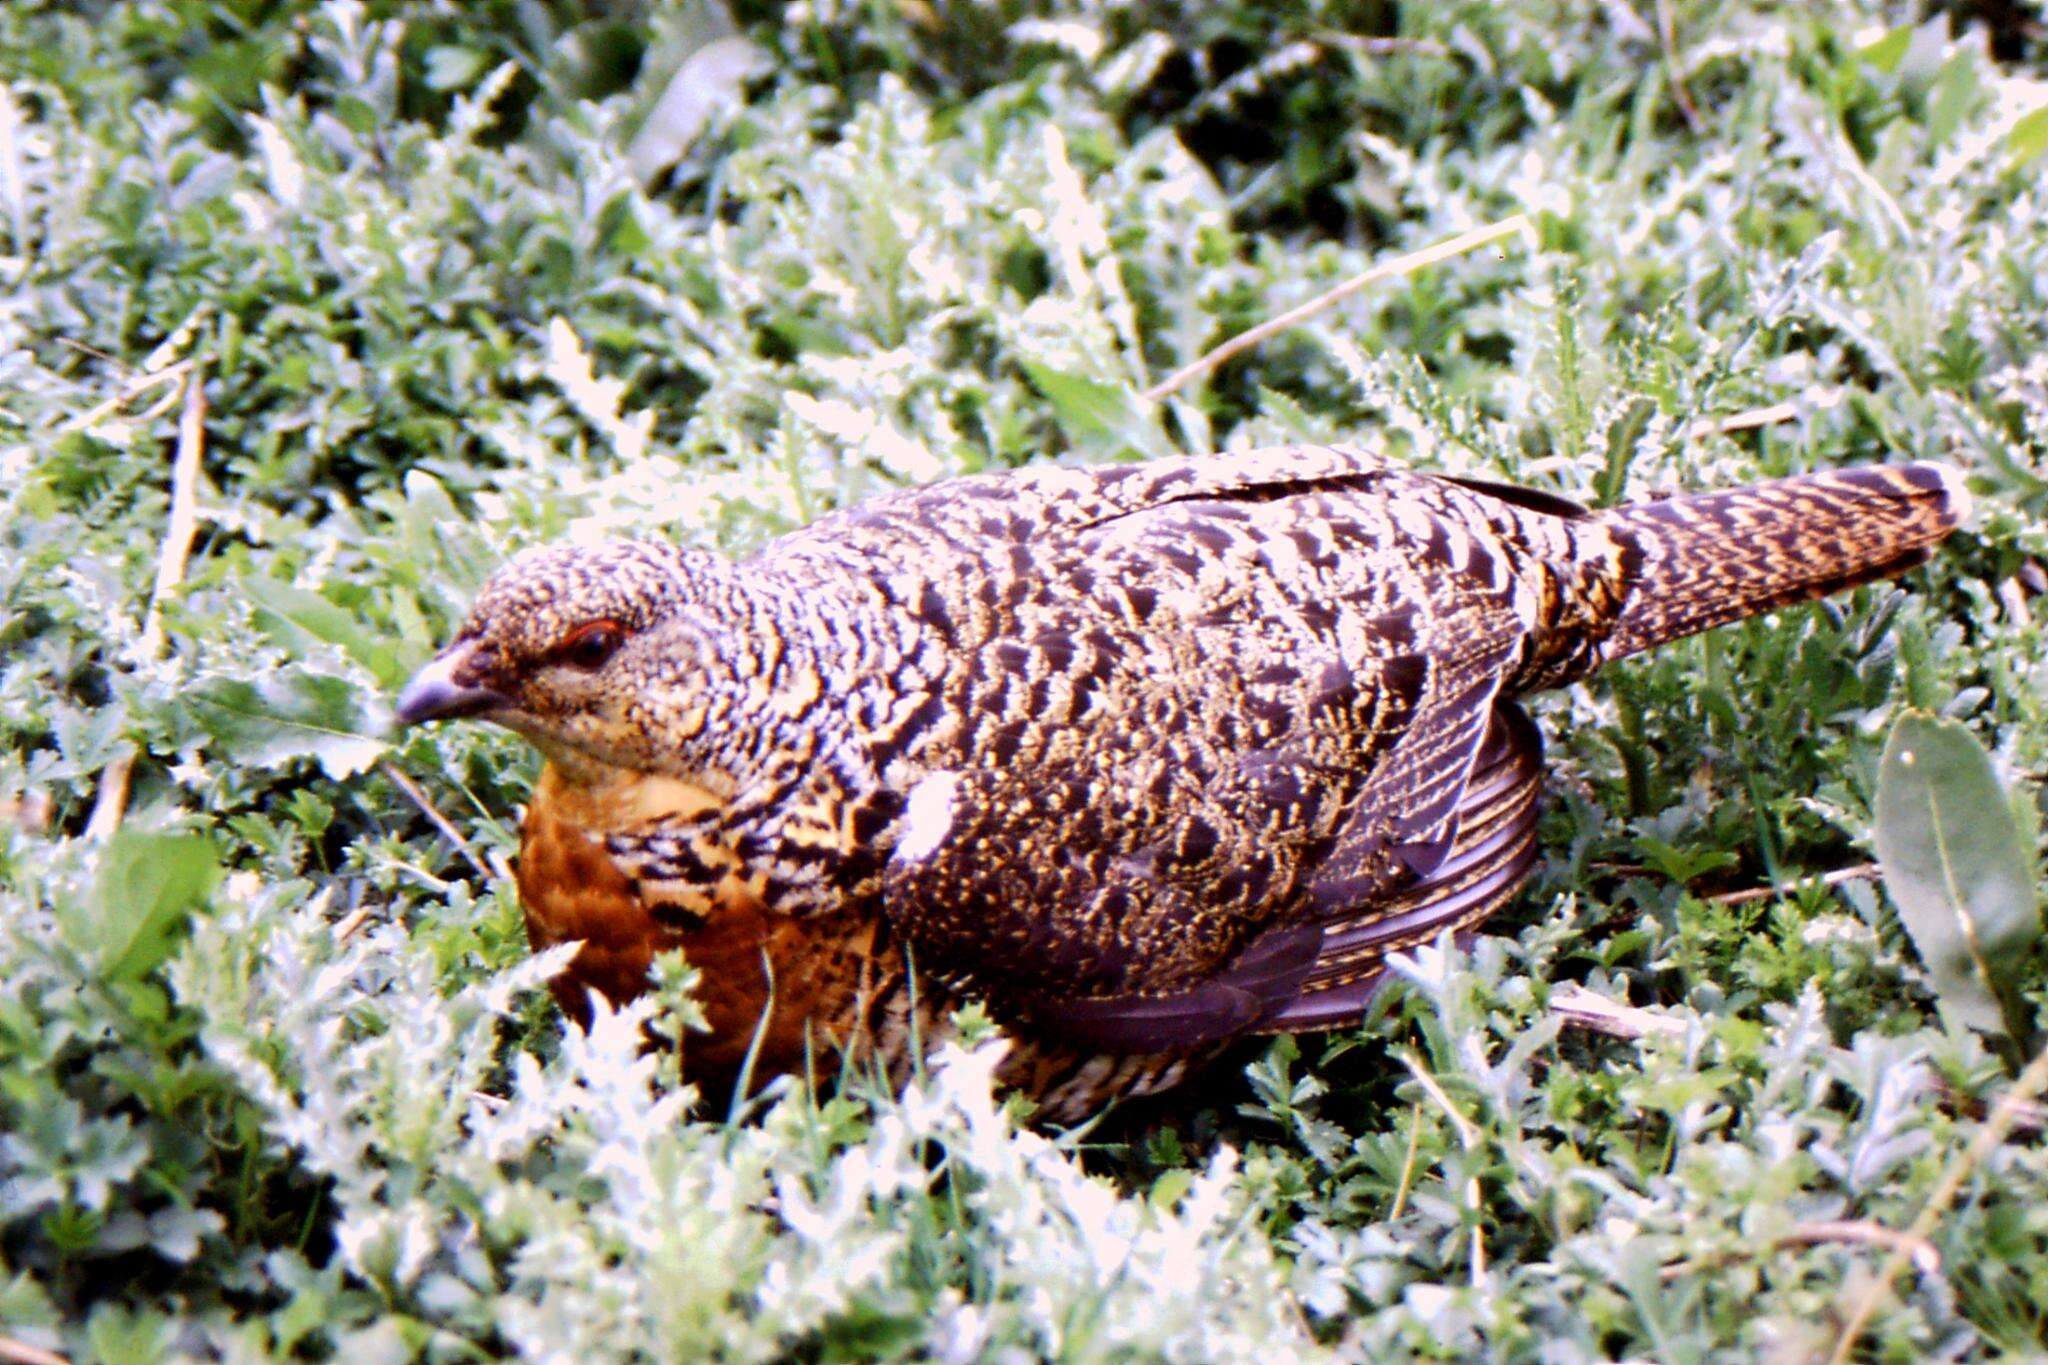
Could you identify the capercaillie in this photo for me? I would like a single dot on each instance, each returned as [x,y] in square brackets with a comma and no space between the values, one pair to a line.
[1146,757]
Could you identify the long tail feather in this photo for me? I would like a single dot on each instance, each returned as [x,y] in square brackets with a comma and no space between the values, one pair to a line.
[1692,563]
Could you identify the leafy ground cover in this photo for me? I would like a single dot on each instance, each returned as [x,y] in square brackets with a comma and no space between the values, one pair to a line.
[422,284]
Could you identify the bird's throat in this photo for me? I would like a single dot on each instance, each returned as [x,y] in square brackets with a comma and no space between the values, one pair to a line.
[605,796]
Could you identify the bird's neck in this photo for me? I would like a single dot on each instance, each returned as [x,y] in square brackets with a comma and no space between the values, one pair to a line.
[779,663]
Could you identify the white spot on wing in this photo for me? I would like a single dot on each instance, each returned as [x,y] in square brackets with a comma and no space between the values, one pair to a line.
[929,818]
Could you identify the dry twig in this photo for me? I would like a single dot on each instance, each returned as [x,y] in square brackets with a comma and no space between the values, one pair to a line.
[1858,873]
[1399,265]
[2028,1116]
[1578,1007]
[14,1352]
[111,802]
[129,391]
[433,813]
[1818,398]
[1390,47]
[1743,421]
[2004,1116]
[1667,35]
[347,926]
[1846,1230]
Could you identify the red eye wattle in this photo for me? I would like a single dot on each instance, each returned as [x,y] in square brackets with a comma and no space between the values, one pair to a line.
[588,647]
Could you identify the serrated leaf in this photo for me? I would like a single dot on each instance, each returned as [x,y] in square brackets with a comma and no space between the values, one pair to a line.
[1958,866]
[1623,433]
[1094,413]
[297,714]
[291,614]
[143,897]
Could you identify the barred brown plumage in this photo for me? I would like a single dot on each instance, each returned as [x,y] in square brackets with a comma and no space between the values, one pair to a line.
[1146,756]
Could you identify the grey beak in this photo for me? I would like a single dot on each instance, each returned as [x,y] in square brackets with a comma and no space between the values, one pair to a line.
[438,692]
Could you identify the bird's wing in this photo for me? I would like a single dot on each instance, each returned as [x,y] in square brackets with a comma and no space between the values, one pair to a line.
[991,886]
[1114,910]
[1300,678]
[1003,885]
[1492,849]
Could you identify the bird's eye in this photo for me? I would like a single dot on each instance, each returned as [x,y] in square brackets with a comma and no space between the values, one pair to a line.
[589,646]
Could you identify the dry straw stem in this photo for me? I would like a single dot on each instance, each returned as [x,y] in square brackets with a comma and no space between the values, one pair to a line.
[1519,225]
[1858,873]
[1577,1007]
[2004,1116]
[1743,421]
[350,924]
[1469,1137]
[1818,398]
[129,391]
[1407,1162]
[1854,1231]
[112,801]
[14,1352]
[441,822]
[1667,34]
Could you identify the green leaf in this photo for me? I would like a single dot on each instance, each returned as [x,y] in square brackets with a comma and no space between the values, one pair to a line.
[451,67]
[1682,864]
[1170,1188]
[143,898]
[1958,866]
[1087,408]
[297,714]
[1622,435]
[1886,53]
[2028,138]
[1955,94]
[292,614]
[1094,413]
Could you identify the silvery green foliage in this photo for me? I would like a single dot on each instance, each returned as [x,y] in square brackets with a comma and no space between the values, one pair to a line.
[576,1202]
[324,1109]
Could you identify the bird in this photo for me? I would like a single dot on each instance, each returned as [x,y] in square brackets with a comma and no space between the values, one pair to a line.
[1145,758]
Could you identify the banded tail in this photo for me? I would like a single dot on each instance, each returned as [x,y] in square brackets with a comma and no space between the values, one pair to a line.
[1688,564]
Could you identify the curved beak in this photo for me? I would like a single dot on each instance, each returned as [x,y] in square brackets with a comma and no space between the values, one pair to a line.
[445,689]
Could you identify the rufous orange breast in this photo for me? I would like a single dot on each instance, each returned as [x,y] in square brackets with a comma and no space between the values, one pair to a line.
[807,978]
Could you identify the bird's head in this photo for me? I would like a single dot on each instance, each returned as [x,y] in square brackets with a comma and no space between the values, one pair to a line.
[570,645]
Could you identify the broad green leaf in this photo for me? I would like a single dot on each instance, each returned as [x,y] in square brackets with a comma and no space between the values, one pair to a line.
[1956,92]
[1958,865]
[147,887]
[1886,53]
[296,714]
[1088,408]
[710,81]
[2028,137]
